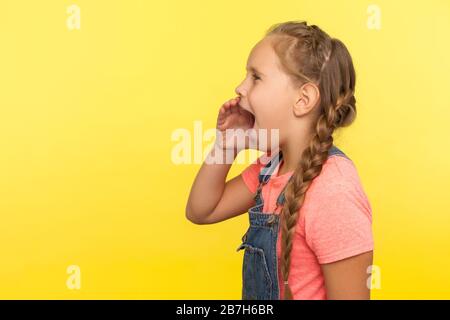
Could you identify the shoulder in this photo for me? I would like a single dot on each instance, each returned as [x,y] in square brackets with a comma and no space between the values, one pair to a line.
[338,173]
[337,213]
[336,193]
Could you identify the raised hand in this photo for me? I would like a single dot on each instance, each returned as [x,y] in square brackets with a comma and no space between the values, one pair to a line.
[231,118]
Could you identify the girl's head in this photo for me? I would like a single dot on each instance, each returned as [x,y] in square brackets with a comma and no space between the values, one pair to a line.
[295,74]
[303,78]
[267,90]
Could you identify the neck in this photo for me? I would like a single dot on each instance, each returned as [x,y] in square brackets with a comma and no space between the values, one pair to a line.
[292,152]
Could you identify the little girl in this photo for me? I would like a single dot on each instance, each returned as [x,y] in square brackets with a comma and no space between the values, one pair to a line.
[310,227]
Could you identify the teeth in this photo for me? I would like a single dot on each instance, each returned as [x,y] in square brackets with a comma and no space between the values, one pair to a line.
[249,112]
[252,116]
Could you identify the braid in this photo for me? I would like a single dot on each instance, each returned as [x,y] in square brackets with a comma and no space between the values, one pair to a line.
[308,54]
[309,167]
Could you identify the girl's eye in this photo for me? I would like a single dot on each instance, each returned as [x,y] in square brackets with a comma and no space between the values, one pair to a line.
[255,77]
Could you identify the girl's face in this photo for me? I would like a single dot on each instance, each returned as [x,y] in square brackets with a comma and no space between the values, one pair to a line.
[266,91]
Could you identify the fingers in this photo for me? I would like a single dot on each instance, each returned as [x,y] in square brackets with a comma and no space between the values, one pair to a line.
[229,107]
[231,103]
[232,106]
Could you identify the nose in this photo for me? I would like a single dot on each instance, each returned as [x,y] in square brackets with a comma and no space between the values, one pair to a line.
[240,90]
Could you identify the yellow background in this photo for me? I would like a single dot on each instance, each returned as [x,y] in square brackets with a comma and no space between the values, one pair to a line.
[86,174]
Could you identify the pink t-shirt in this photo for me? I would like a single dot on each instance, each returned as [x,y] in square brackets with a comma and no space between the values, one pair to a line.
[335,223]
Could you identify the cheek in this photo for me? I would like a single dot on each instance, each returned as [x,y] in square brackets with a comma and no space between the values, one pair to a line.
[269,108]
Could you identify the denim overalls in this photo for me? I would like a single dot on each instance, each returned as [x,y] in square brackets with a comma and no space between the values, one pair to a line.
[260,266]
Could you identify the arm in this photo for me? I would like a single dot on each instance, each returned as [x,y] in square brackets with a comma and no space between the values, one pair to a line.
[347,278]
[212,200]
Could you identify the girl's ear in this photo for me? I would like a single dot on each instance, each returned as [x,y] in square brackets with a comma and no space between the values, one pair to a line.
[307,98]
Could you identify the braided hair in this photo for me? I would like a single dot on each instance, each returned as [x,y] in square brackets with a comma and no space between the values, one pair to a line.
[308,54]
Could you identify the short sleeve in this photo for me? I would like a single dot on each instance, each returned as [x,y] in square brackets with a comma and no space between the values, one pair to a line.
[338,224]
[250,175]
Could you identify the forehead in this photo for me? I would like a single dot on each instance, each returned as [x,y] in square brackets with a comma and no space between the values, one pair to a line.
[263,57]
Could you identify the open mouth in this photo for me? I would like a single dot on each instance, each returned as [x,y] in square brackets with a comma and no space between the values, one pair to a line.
[250,116]
[252,120]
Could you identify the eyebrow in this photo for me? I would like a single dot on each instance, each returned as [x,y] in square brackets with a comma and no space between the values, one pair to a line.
[252,68]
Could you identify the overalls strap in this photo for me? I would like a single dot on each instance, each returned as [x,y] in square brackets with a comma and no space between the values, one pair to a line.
[268,169]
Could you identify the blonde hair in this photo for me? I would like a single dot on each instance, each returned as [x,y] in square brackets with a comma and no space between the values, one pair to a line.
[308,54]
